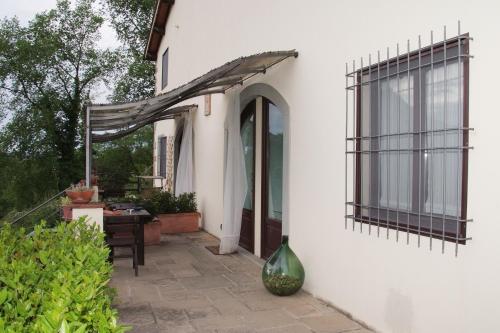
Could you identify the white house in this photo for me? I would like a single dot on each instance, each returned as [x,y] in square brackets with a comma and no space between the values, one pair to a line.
[382,174]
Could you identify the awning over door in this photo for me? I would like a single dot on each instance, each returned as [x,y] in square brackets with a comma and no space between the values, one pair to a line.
[123,119]
[105,122]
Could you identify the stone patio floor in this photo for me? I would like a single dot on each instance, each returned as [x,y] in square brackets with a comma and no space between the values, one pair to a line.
[185,288]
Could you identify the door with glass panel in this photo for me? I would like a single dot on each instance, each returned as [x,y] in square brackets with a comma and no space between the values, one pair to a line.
[272,178]
[248,140]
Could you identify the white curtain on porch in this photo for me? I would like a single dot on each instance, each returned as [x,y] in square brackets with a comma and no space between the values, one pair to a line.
[184,176]
[235,181]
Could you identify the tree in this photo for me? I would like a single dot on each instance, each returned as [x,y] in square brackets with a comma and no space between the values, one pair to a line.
[131,20]
[47,72]
[118,160]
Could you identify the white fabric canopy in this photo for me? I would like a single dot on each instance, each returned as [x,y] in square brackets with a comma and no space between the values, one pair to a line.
[118,120]
[184,176]
[235,181]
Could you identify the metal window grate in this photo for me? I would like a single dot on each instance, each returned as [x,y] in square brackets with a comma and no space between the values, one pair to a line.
[407,142]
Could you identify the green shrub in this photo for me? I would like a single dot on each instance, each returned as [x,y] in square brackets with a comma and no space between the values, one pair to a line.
[164,203]
[186,203]
[168,203]
[55,280]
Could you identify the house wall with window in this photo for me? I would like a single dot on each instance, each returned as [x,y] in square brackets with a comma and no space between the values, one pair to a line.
[393,286]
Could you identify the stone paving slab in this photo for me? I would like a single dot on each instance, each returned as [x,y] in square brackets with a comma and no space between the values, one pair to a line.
[183,288]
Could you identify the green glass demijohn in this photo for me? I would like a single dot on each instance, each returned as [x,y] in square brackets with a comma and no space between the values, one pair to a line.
[283,273]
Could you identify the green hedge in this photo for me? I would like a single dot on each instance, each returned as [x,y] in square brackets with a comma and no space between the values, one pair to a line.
[167,203]
[55,280]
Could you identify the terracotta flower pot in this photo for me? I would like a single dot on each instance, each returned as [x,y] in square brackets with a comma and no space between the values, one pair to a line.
[67,213]
[179,223]
[152,233]
[80,197]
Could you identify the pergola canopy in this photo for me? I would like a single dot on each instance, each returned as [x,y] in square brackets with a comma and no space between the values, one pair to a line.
[107,122]
[125,118]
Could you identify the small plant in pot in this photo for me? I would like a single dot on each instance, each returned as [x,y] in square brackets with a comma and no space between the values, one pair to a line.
[65,201]
[176,214]
[79,194]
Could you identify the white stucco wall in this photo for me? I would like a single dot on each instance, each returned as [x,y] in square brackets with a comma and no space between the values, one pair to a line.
[393,287]
[92,215]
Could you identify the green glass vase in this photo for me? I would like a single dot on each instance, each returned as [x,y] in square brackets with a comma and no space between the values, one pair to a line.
[283,273]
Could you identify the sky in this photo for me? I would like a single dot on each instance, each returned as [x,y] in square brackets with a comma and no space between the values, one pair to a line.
[26,9]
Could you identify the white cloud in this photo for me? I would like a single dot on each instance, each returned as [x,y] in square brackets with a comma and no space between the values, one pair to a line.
[25,10]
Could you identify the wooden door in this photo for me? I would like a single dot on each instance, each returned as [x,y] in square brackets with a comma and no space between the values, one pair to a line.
[272,178]
[248,140]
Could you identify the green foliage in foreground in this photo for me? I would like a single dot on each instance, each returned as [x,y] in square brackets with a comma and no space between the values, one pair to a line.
[168,203]
[55,280]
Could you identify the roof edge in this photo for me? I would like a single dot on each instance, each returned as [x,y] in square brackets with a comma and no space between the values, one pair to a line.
[157,28]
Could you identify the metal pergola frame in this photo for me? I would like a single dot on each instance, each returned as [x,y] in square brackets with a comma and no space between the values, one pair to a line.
[106,122]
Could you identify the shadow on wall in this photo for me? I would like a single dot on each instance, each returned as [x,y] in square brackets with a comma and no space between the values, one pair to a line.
[399,312]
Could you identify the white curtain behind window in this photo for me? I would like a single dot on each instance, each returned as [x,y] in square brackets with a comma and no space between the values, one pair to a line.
[443,168]
[395,118]
[184,176]
[235,181]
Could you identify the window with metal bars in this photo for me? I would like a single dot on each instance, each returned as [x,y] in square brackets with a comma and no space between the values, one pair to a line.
[409,142]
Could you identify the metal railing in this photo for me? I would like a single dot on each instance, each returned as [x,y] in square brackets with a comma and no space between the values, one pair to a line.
[39,207]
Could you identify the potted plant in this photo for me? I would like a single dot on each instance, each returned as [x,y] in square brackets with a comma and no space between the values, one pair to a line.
[152,232]
[66,209]
[187,216]
[79,194]
[176,214]
[152,229]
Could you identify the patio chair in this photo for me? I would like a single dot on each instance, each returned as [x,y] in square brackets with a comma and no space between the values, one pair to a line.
[123,235]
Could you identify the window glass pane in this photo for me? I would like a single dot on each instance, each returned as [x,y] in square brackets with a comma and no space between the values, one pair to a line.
[247,138]
[275,162]
[395,128]
[443,168]
[158,157]
[163,156]
[164,69]
[365,143]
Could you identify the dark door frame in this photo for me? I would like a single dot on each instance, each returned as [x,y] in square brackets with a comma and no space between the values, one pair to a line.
[264,90]
[179,134]
[264,220]
[249,215]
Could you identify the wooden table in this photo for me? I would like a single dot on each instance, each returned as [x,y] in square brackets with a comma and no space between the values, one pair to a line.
[142,217]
